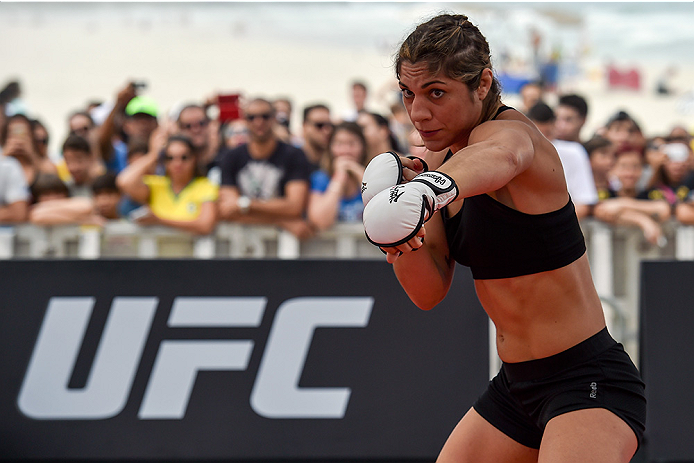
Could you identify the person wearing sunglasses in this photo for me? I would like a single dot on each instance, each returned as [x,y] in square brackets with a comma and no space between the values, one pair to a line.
[81,123]
[203,133]
[317,129]
[234,133]
[41,141]
[181,198]
[264,181]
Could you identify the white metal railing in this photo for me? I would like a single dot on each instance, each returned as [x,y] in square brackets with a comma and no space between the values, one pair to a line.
[344,240]
[229,240]
[614,252]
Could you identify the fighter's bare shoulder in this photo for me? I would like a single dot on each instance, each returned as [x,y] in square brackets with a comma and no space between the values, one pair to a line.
[504,129]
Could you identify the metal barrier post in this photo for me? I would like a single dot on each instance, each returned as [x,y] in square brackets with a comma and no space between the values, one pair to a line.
[204,247]
[89,243]
[684,244]
[601,260]
[6,242]
[288,246]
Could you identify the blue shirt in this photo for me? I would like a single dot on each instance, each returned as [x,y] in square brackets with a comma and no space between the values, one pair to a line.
[351,209]
[119,159]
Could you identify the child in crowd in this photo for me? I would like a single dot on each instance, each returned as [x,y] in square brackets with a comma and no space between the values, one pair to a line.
[623,206]
[674,179]
[54,206]
[81,166]
[107,196]
[601,153]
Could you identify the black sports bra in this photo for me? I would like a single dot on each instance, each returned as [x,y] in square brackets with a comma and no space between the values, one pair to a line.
[501,109]
[497,241]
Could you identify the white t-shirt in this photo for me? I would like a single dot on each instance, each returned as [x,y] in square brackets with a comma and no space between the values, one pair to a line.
[13,185]
[577,170]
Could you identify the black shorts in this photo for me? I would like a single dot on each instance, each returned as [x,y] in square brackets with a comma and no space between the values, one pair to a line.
[596,373]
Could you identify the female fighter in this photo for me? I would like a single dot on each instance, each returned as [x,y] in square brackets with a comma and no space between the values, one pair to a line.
[497,202]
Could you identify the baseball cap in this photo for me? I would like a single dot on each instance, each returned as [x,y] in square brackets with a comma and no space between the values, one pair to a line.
[142,105]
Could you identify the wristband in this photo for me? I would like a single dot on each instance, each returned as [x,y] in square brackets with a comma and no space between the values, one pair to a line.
[244,204]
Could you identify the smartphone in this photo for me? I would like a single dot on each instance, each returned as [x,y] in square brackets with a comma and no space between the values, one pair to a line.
[140,84]
[229,108]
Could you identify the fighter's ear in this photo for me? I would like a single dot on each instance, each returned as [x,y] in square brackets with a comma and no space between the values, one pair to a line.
[486,80]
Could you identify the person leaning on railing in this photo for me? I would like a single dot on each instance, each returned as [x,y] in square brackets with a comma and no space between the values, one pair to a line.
[14,192]
[336,193]
[54,205]
[182,198]
[626,204]
[265,181]
[684,210]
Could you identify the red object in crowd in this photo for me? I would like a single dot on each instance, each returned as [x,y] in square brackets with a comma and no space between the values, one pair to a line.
[229,109]
[629,79]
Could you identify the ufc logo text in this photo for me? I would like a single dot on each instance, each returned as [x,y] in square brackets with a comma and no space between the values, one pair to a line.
[44,394]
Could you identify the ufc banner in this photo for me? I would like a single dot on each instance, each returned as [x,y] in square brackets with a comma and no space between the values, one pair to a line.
[231,360]
[667,364]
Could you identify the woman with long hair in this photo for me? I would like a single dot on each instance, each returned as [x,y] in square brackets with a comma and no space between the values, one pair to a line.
[497,202]
[181,198]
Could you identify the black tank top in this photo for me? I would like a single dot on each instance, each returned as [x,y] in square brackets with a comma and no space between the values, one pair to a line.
[497,241]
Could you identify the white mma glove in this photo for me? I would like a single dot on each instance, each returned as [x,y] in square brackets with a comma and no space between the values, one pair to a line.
[394,216]
[384,170]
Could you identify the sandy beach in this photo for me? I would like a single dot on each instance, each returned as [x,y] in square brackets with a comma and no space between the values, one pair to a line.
[63,61]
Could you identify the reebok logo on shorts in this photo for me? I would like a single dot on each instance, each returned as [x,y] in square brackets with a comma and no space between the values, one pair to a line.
[593,390]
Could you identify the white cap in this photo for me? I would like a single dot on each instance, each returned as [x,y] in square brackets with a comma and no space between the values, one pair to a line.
[677,152]
[101,112]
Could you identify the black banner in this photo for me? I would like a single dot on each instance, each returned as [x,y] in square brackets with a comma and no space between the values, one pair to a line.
[667,363]
[231,360]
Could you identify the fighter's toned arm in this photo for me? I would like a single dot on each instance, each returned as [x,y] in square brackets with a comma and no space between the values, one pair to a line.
[425,275]
[497,152]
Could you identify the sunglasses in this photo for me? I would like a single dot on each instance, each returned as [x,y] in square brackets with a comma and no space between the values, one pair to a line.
[194,125]
[232,133]
[265,116]
[80,131]
[183,158]
[323,125]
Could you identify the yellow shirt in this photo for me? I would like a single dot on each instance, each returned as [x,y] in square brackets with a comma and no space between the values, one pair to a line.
[63,171]
[184,206]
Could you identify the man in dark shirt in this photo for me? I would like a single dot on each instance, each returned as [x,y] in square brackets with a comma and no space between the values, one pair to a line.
[265,181]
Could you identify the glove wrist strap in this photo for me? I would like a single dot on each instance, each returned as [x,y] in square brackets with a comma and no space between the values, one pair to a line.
[442,185]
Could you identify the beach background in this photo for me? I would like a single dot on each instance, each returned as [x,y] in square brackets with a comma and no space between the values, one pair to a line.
[68,54]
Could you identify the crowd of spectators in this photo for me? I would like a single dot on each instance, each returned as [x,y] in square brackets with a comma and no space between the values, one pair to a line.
[197,165]
[618,174]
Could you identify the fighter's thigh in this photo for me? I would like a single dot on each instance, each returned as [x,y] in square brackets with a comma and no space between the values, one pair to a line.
[474,440]
[594,434]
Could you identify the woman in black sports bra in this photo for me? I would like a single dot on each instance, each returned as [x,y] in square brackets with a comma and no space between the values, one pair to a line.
[566,390]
